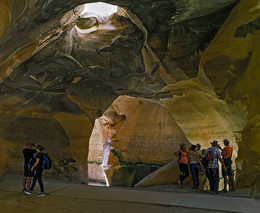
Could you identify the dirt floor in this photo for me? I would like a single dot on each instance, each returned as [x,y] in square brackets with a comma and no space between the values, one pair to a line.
[76,198]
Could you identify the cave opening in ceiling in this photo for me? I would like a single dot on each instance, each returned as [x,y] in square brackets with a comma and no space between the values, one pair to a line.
[102,11]
[94,16]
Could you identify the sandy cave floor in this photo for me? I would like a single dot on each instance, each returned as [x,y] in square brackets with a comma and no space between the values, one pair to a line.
[66,197]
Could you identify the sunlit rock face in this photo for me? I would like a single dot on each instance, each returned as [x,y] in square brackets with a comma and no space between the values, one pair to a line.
[193,65]
[236,48]
[137,138]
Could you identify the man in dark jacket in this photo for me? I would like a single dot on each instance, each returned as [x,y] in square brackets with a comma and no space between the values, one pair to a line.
[28,154]
[37,167]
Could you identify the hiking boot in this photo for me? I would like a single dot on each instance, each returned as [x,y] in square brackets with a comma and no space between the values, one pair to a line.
[180,183]
[195,187]
[41,194]
[223,191]
[29,192]
[214,192]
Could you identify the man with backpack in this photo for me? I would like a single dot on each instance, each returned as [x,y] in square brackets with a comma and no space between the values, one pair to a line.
[228,174]
[213,155]
[38,167]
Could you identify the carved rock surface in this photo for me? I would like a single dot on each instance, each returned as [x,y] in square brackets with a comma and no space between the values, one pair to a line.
[138,137]
[190,67]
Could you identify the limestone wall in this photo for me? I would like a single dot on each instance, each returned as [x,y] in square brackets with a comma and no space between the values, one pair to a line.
[138,138]
[190,67]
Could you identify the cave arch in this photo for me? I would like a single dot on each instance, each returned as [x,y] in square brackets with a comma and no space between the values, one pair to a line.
[135,137]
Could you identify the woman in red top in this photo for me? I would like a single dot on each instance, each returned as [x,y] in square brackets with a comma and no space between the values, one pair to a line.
[228,173]
[182,154]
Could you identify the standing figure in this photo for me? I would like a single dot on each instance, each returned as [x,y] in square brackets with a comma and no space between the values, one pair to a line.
[198,150]
[203,153]
[228,174]
[38,171]
[28,154]
[195,165]
[182,154]
[213,155]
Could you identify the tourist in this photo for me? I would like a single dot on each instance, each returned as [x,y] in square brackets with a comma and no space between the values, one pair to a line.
[38,171]
[227,174]
[28,154]
[213,155]
[195,165]
[182,154]
[204,170]
[203,159]
[198,149]
[203,153]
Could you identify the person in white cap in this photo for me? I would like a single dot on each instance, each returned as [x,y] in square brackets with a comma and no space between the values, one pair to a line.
[228,173]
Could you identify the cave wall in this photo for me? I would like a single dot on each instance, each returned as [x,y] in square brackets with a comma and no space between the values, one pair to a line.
[197,59]
[142,138]
[236,48]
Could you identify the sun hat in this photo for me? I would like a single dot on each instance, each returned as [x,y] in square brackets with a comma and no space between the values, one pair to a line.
[214,143]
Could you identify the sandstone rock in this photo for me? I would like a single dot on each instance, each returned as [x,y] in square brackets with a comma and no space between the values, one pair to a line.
[239,56]
[145,136]
[190,68]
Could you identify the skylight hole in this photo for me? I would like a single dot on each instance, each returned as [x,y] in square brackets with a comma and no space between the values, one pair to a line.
[102,11]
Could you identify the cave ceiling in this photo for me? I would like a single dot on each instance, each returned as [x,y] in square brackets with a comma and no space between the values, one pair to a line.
[47,61]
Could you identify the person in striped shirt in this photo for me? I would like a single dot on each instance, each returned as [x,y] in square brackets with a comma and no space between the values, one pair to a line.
[213,170]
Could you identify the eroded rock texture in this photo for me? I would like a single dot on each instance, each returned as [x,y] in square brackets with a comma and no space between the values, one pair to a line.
[178,70]
[139,137]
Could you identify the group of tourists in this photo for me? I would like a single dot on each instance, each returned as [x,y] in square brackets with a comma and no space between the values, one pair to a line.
[195,160]
[33,167]
[207,160]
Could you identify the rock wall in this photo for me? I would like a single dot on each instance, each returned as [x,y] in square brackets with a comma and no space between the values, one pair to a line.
[139,137]
[234,56]
[61,71]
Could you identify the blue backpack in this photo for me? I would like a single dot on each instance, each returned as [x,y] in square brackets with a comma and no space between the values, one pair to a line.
[47,162]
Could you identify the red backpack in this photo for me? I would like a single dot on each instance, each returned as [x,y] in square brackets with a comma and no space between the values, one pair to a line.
[209,156]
